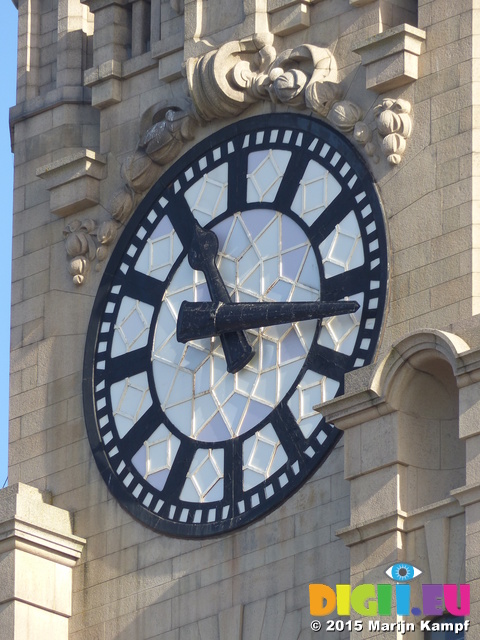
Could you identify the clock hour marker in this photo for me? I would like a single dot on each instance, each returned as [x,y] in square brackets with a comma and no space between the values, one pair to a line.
[146,424]
[331,364]
[345,284]
[132,363]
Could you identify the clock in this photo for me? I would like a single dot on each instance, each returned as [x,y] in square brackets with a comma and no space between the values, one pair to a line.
[248,281]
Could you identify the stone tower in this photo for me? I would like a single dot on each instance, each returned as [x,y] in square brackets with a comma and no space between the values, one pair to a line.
[168,491]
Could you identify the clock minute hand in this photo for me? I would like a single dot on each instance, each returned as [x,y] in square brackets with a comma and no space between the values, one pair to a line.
[201,256]
[206,319]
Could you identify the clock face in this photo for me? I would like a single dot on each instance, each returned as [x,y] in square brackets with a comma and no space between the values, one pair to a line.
[199,437]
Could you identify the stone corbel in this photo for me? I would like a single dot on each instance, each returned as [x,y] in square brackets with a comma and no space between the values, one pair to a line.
[74,181]
[391,57]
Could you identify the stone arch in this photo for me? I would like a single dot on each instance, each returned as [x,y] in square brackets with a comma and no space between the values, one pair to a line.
[418,380]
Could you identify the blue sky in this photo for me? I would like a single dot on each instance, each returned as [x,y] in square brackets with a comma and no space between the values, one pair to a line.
[8,72]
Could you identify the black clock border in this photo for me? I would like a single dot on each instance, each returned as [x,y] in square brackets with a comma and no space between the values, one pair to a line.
[283,122]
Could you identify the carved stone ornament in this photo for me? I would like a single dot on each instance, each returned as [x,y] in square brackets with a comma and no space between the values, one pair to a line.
[85,242]
[223,83]
[160,145]
[394,124]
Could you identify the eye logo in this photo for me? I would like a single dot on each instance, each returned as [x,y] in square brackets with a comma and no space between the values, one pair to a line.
[403,572]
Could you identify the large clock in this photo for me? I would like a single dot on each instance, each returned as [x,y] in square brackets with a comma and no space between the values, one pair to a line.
[211,338]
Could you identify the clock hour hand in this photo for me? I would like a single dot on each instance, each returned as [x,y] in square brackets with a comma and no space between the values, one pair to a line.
[206,319]
[201,256]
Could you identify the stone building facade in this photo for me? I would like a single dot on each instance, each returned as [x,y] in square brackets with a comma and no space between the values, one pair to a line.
[110,94]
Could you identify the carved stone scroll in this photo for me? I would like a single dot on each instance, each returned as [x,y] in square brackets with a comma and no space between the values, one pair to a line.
[225,82]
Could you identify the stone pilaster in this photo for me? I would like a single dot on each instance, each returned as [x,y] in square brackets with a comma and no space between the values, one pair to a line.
[37,553]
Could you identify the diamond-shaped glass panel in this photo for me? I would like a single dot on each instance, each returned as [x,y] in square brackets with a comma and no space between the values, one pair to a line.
[263,455]
[317,189]
[312,390]
[160,251]
[265,172]
[130,399]
[340,332]
[342,250]
[132,326]
[155,458]
[207,198]
[204,481]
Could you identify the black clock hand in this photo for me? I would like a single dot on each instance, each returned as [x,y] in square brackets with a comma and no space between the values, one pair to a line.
[202,246]
[206,319]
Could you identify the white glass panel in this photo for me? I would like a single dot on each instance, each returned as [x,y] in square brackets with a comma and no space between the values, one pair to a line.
[264,177]
[205,478]
[343,249]
[287,375]
[182,417]
[292,261]
[263,455]
[132,326]
[280,291]
[253,281]
[279,459]
[247,264]
[317,189]
[207,198]
[255,159]
[215,430]
[202,378]
[309,273]
[130,399]
[251,479]
[268,241]
[270,274]
[257,220]
[340,332]
[291,348]
[139,460]
[204,410]
[269,354]
[224,388]
[160,251]
[237,242]
[312,390]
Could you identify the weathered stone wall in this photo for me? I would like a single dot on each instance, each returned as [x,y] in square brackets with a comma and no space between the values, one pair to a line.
[70,139]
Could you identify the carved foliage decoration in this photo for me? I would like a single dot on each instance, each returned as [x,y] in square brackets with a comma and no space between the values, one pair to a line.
[394,124]
[85,242]
[161,144]
[225,82]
